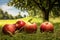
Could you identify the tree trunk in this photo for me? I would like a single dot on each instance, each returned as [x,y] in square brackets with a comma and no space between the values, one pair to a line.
[46,15]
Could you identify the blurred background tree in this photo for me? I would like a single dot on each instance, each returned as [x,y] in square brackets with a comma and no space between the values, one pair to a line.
[6,15]
[46,6]
[1,14]
[19,16]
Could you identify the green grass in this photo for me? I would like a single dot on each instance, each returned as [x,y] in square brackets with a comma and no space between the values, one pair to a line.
[2,22]
[35,36]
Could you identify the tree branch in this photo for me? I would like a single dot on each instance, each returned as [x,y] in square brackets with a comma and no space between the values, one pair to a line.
[51,5]
[54,1]
[40,5]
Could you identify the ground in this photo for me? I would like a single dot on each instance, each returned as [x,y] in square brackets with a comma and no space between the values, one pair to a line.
[35,36]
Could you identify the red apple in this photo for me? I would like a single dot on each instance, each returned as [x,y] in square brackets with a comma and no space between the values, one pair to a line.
[9,28]
[46,26]
[19,24]
[30,28]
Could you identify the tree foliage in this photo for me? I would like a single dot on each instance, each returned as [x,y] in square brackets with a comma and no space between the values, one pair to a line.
[1,14]
[46,6]
[32,4]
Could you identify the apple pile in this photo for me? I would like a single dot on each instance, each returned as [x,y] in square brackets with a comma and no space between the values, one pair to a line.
[27,27]
[46,26]
[19,25]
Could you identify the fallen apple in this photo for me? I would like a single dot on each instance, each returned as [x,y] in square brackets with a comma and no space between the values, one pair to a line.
[20,24]
[46,26]
[30,28]
[9,29]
